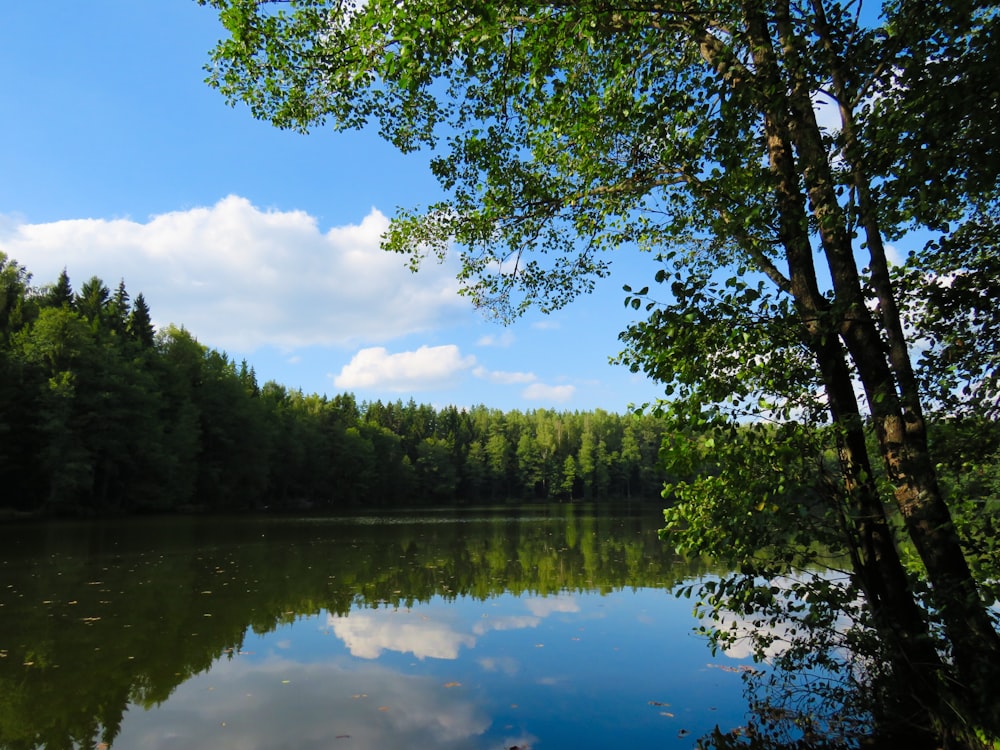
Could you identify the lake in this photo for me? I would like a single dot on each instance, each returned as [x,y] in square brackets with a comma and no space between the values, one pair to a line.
[533,627]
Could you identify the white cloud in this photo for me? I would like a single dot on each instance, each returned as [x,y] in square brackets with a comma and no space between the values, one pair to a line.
[426,368]
[542,392]
[505,339]
[240,277]
[504,378]
[827,112]
[546,325]
[893,256]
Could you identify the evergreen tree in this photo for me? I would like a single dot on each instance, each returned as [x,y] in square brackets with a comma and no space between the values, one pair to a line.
[59,294]
[140,326]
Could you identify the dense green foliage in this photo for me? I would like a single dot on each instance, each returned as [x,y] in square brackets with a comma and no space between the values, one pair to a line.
[563,133]
[98,415]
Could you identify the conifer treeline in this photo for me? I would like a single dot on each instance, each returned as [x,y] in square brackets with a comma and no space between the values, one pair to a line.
[100,414]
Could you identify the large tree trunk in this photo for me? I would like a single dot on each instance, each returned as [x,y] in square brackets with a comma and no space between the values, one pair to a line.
[886,375]
[790,123]
[902,436]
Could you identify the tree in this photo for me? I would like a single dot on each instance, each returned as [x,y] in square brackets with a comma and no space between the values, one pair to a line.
[58,294]
[140,324]
[564,130]
[94,303]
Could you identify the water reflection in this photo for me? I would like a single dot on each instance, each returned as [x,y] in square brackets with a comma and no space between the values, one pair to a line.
[476,631]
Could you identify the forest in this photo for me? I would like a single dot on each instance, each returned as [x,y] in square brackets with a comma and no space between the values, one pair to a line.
[101,414]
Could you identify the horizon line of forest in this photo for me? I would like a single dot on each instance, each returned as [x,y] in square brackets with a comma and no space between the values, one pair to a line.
[103,414]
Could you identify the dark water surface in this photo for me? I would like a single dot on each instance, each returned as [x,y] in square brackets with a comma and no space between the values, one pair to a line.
[540,627]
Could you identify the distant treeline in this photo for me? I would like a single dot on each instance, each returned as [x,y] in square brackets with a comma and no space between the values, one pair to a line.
[101,414]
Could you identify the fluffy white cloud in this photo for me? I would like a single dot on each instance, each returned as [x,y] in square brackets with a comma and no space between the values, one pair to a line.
[240,277]
[542,392]
[426,368]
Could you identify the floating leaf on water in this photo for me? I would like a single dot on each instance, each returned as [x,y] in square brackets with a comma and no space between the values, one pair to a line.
[383,708]
[452,684]
[286,682]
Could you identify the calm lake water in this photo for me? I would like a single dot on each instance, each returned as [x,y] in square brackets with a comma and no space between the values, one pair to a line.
[539,627]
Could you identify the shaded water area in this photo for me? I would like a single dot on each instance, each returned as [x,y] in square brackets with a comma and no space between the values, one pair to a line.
[537,627]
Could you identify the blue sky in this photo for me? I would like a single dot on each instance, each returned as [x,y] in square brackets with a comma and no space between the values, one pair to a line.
[117,160]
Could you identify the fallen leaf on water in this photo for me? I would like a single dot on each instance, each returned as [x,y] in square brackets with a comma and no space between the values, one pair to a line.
[667,714]
[383,708]
[452,684]
[285,682]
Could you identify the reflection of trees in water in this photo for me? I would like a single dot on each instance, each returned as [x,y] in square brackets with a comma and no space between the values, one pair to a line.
[99,616]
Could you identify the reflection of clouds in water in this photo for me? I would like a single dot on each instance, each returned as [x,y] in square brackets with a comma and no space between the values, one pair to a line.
[513,622]
[551,604]
[368,635]
[743,648]
[540,608]
[246,705]
[781,633]
[503,664]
